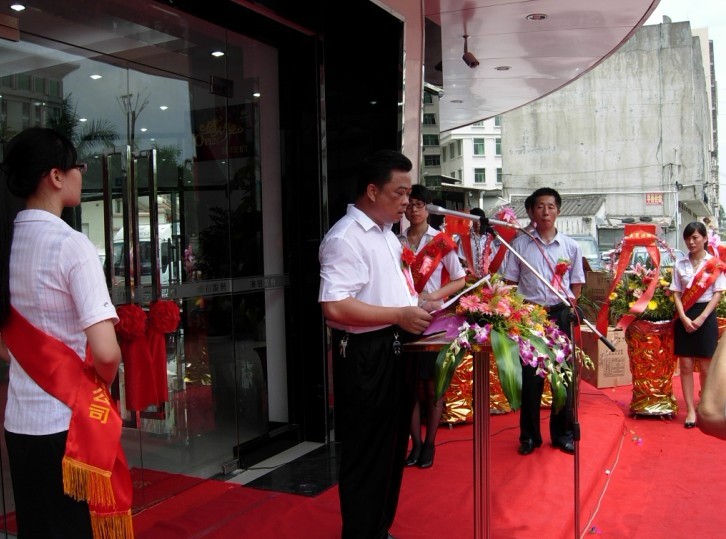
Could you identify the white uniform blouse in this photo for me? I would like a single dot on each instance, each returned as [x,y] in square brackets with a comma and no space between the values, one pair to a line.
[57,284]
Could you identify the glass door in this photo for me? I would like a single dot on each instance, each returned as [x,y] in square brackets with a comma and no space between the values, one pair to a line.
[182,201]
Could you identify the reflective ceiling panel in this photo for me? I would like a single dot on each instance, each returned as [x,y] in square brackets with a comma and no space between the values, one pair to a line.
[520,59]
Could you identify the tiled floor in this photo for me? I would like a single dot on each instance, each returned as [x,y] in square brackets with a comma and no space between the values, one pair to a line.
[306,469]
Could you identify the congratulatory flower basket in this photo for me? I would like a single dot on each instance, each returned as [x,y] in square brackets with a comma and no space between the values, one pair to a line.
[492,312]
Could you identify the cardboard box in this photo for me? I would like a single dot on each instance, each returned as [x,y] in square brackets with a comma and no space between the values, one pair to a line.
[611,368]
[597,285]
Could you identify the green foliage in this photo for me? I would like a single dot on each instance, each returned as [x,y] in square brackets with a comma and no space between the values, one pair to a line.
[632,286]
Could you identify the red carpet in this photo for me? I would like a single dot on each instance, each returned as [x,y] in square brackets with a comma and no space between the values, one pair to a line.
[152,487]
[669,481]
[437,502]
[664,481]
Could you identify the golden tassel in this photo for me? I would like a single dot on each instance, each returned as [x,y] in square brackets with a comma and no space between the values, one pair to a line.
[114,526]
[87,483]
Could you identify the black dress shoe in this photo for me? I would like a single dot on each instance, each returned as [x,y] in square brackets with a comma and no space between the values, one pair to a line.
[426,459]
[689,424]
[566,446]
[413,456]
[527,446]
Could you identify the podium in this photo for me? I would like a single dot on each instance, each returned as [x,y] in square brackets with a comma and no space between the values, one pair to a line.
[482,459]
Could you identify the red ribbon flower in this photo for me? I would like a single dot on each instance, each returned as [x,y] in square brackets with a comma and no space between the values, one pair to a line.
[408,257]
[132,321]
[164,316]
[562,266]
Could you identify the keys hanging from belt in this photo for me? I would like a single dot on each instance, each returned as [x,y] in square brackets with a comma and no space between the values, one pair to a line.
[343,345]
[397,348]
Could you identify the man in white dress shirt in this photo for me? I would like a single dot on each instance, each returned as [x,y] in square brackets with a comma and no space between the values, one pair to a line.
[371,307]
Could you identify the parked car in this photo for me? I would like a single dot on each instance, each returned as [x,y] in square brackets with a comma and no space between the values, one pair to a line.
[590,251]
[640,255]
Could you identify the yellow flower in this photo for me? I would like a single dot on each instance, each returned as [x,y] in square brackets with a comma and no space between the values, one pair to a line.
[613,295]
[652,305]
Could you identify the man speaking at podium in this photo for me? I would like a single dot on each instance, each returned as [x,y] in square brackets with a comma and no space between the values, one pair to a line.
[368,299]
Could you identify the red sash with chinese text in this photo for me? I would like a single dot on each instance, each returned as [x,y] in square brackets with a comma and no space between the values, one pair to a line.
[461,227]
[705,277]
[507,234]
[429,258]
[94,465]
[635,235]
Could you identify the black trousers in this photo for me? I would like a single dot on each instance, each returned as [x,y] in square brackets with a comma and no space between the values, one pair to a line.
[532,389]
[42,510]
[374,397]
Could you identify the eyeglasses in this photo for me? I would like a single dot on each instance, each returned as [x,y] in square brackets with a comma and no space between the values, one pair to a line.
[82,167]
[418,205]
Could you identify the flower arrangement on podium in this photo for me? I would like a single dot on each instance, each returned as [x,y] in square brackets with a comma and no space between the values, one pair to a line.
[492,311]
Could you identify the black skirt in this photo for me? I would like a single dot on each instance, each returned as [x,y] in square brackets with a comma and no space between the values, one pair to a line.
[702,342]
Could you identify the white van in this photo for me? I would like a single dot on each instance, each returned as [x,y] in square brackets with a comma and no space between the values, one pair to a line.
[168,268]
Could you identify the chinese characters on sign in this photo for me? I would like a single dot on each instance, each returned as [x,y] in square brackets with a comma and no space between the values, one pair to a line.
[654,199]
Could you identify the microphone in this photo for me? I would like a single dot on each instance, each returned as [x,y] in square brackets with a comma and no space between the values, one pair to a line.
[438,210]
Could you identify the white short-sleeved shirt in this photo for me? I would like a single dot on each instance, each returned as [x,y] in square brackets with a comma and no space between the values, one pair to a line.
[57,284]
[683,274]
[544,261]
[450,261]
[360,260]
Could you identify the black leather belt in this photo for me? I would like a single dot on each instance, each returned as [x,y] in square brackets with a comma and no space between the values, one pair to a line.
[554,308]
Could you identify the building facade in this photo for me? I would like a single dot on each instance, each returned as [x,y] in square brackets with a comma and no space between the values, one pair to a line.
[636,129]
[222,140]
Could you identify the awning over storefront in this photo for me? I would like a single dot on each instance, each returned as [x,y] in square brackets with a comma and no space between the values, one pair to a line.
[518,51]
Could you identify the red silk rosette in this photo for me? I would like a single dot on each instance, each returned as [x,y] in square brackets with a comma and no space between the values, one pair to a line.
[164,318]
[131,330]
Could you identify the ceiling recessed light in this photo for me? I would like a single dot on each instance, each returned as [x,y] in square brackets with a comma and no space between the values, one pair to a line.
[82,119]
[163,107]
[143,130]
[96,77]
[537,17]
[503,68]
[17,7]
[217,54]
[256,94]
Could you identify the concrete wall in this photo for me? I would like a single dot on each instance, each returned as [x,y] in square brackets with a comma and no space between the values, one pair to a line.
[632,126]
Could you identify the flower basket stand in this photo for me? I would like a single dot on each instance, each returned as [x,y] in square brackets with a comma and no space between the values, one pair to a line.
[652,365]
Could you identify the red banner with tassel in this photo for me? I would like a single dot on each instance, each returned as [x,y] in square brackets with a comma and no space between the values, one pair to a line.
[635,235]
[163,318]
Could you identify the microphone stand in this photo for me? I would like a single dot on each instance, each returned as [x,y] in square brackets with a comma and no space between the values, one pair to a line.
[486,228]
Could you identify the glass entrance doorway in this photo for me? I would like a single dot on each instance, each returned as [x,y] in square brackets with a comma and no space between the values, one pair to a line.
[177,120]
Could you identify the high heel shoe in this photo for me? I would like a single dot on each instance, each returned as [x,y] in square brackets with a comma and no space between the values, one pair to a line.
[426,459]
[413,456]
